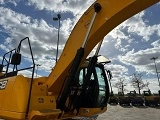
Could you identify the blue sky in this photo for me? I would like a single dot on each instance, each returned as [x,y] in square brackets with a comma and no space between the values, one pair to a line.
[129,46]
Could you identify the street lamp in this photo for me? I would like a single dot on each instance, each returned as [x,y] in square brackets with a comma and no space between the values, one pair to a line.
[154,58]
[57,19]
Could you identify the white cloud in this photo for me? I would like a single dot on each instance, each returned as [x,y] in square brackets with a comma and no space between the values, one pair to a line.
[141,59]
[73,6]
[137,25]
[120,38]
[156,43]
[118,71]
[153,84]
[4,47]
[123,35]
[14,2]
[158,29]
[67,26]
[1,1]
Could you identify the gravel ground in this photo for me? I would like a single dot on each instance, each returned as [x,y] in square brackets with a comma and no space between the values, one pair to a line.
[116,112]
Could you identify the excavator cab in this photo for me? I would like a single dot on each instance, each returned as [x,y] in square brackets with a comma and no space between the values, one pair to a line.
[97,90]
[88,90]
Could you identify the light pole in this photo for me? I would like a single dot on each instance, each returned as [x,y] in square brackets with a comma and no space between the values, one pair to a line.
[57,19]
[154,58]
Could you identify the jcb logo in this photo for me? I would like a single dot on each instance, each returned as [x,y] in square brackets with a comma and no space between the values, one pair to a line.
[3,84]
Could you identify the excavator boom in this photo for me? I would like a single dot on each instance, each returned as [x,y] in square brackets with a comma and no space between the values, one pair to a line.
[113,13]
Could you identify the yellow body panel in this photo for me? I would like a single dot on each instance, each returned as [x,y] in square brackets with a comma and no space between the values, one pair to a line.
[39,90]
[14,97]
[6,95]
[44,115]
[9,115]
[42,102]
[149,97]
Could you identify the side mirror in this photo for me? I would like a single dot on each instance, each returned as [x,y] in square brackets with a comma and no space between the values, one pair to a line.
[16,59]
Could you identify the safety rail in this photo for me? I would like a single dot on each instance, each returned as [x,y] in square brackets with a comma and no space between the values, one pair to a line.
[6,62]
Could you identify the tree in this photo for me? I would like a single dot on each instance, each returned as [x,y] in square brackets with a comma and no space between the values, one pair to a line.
[137,82]
[120,85]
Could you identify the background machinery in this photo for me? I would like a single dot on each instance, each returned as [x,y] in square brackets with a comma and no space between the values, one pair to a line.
[149,98]
[135,99]
[68,91]
[157,97]
[123,99]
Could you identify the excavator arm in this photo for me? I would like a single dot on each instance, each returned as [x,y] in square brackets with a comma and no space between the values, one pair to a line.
[113,13]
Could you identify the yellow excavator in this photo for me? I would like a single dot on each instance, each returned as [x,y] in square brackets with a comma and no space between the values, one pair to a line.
[76,87]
